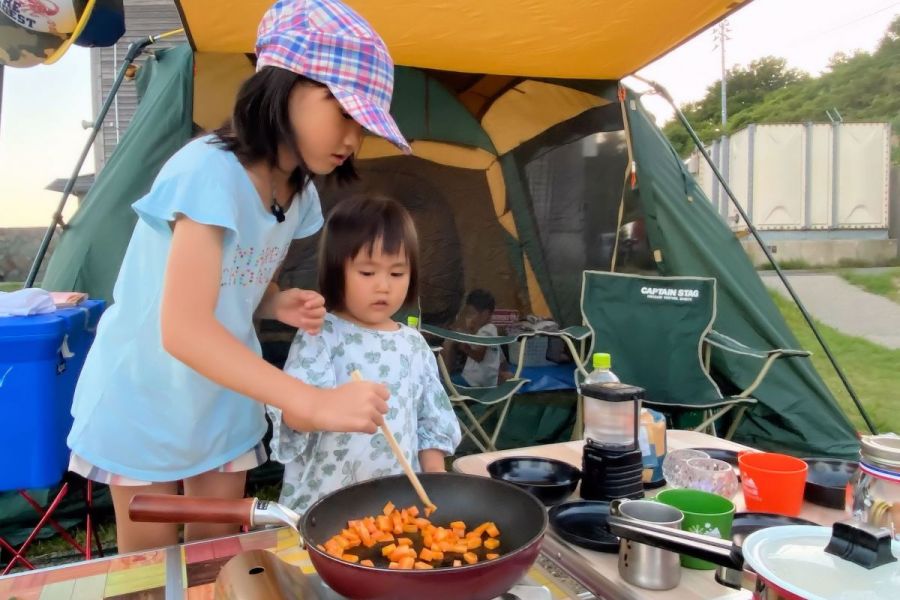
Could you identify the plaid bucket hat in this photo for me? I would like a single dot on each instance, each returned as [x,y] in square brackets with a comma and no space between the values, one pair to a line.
[328,42]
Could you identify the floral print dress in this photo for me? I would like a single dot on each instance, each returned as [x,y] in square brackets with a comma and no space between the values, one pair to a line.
[419,415]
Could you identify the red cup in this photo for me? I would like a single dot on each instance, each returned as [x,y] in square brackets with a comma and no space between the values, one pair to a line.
[772,482]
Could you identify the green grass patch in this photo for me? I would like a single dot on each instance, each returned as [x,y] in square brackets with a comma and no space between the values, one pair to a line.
[886,283]
[870,368]
[10,286]
[42,551]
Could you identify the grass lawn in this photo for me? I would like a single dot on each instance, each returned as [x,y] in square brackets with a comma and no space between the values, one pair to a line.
[871,369]
[885,284]
[10,286]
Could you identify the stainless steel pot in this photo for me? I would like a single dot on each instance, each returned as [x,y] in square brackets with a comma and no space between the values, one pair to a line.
[794,562]
[644,565]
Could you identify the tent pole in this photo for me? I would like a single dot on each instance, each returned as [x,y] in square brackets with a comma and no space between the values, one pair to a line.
[697,142]
[134,50]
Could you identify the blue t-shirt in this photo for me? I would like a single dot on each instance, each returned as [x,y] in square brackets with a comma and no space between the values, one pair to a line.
[138,411]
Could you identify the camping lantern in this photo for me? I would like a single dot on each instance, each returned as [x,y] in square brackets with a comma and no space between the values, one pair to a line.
[617,406]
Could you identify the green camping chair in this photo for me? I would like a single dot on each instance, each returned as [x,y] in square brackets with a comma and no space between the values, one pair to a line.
[490,399]
[659,333]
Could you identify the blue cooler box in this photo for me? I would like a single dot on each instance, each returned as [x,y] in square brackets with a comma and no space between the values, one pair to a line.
[40,359]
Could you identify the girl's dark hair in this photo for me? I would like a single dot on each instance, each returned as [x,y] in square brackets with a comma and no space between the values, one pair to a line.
[355,225]
[261,122]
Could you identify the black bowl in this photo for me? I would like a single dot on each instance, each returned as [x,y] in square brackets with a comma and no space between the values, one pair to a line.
[550,481]
[826,481]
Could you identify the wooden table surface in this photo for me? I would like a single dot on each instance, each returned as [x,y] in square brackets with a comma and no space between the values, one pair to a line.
[598,571]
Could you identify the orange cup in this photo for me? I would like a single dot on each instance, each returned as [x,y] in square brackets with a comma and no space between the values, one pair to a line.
[772,482]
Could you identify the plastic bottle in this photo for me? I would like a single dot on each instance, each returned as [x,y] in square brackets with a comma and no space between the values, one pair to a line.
[601,419]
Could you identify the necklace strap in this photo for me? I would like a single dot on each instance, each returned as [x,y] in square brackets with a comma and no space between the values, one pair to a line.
[275,207]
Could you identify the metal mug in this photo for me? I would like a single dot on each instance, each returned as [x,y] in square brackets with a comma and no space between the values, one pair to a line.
[642,565]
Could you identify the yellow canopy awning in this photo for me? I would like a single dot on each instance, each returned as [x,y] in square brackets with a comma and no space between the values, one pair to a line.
[583,39]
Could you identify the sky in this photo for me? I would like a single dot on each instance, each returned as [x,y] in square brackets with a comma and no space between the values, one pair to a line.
[41,133]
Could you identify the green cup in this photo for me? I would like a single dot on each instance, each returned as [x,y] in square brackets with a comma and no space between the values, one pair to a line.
[704,513]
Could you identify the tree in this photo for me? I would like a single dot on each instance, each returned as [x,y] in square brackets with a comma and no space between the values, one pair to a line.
[860,85]
[747,86]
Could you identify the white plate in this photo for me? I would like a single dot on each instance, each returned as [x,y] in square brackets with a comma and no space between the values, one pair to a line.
[793,557]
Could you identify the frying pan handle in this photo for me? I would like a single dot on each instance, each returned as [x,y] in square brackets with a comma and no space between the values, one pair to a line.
[164,508]
[715,550]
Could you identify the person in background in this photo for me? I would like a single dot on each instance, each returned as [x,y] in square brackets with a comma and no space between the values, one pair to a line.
[482,366]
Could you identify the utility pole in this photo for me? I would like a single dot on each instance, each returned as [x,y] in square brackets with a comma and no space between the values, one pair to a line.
[722,35]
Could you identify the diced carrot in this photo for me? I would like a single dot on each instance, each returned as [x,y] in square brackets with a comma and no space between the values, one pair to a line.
[388,550]
[460,549]
[367,563]
[364,535]
[426,555]
[473,543]
[350,558]
[445,546]
[342,542]
[394,565]
[492,530]
[457,525]
[457,563]
[491,556]
[404,542]
[388,509]
[439,535]
[413,511]
[422,566]
[427,540]
[397,522]
[437,555]
[399,554]
[422,523]
[410,528]
[321,547]
[407,562]
[480,529]
[384,523]
[492,543]
[470,557]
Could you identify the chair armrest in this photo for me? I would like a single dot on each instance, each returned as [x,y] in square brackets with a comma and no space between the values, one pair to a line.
[473,340]
[729,344]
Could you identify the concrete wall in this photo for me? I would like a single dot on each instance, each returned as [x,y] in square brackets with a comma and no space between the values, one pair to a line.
[825,252]
[803,176]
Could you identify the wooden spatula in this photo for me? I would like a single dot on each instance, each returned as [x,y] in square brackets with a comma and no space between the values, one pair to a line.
[401,458]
